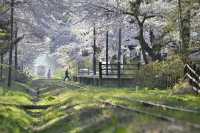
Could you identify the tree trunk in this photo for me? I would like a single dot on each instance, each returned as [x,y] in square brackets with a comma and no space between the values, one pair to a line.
[180,22]
[144,56]
[11,43]
[186,31]
[144,45]
[184,17]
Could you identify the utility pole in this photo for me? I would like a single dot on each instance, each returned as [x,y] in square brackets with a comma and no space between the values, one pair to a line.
[107,47]
[11,42]
[94,54]
[120,45]
[107,43]
[16,50]
[119,58]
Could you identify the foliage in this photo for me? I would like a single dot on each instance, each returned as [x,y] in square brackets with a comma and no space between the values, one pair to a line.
[78,109]
[161,74]
[89,116]
[14,120]
[19,96]
[149,25]
[183,87]
[59,74]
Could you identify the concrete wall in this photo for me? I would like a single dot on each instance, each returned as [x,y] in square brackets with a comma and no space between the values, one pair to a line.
[108,82]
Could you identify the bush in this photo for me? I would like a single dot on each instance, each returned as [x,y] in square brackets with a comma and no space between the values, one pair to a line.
[183,87]
[59,74]
[161,74]
[14,120]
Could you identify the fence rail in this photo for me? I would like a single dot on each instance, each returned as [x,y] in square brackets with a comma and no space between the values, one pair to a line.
[193,77]
[119,70]
[122,73]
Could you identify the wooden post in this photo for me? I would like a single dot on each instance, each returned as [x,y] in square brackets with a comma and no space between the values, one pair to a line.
[88,71]
[118,70]
[138,66]
[100,73]
[94,54]
[107,47]
[100,70]
[78,70]
[22,66]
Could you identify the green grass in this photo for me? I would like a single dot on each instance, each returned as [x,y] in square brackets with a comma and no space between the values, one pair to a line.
[2,34]
[59,74]
[155,95]
[78,109]
[12,118]
[87,98]
[14,96]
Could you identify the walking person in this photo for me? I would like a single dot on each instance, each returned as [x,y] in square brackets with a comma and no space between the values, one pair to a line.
[37,95]
[67,75]
[49,74]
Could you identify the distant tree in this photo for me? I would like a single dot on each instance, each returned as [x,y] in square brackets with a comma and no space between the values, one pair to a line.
[184,7]
[4,35]
[141,17]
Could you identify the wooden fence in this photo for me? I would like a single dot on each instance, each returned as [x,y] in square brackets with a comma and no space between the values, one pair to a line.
[193,76]
[118,70]
[135,73]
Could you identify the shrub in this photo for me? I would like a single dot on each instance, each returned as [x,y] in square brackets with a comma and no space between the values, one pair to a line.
[161,74]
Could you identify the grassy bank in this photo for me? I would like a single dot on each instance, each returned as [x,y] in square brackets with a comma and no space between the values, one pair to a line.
[12,118]
[79,108]
[74,102]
